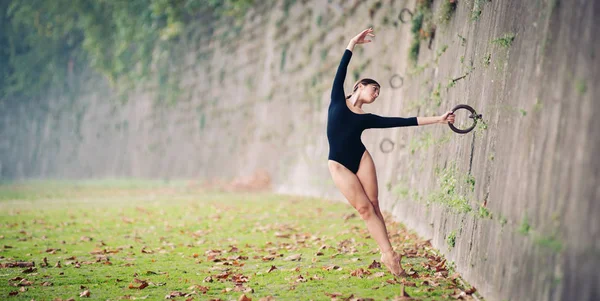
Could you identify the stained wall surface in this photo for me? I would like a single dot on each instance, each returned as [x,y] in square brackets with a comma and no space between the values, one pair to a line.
[514,204]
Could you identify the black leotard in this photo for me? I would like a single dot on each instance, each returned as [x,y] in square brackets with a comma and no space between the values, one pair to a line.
[345,127]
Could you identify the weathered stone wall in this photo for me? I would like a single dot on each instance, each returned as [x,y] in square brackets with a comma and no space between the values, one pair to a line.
[514,203]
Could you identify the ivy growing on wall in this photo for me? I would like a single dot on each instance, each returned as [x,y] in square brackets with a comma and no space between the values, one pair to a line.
[44,43]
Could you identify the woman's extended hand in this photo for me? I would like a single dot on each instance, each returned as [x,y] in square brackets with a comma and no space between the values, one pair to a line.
[361,37]
[447,118]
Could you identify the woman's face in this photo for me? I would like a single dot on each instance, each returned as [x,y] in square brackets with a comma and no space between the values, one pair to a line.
[370,93]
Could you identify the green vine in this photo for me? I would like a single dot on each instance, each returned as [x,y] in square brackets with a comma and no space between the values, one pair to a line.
[43,44]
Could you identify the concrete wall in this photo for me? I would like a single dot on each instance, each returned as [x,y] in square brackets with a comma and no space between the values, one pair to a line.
[514,203]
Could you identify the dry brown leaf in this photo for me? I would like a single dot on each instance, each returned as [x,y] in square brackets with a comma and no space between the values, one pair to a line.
[294,257]
[470,291]
[408,283]
[360,273]
[300,279]
[272,268]
[349,216]
[244,298]
[29,270]
[208,279]
[333,295]
[378,275]
[268,258]
[375,265]
[175,294]
[18,264]
[143,284]
[331,267]
[46,283]
[146,251]
[85,294]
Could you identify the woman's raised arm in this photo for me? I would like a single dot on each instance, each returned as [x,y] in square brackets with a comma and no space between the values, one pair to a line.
[337,92]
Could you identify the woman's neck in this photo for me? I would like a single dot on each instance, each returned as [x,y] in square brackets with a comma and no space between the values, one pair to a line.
[355,101]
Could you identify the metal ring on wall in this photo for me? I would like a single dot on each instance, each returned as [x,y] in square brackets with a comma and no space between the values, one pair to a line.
[402,15]
[396,86]
[473,116]
[389,149]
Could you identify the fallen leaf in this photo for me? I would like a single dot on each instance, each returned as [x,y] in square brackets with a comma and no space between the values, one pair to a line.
[272,268]
[375,265]
[360,273]
[146,251]
[85,294]
[349,216]
[175,294]
[333,295]
[408,283]
[143,284]
[46,283]
[29,270]
[294,257]
[244,298]
[300,279]
[18,264]
[470,291]
[268,258]
[331,267]
[378,275]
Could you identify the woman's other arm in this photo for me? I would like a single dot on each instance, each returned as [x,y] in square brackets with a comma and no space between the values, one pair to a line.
[446,118]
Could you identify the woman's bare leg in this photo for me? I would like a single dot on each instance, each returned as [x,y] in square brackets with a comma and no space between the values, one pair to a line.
[349,185]
[368,179]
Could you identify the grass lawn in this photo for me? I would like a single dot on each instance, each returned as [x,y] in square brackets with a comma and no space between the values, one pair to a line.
[135,240]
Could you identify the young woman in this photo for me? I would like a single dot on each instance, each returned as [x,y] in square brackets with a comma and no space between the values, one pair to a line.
[350,164]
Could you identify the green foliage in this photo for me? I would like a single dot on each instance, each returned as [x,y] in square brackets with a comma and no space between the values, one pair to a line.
[581,87]
[505,41]
[447,8]
[413,52]
[471,182]
[43,43]
[451,239]
[487,59]
[477,9]
[463,40]
[551,242]
[484,212]
[448,194]
[435,95]
[525,227]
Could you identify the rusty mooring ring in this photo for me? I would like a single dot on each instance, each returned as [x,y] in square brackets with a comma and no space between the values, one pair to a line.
[396,86]
[402,13]
[473,115]
[385,151]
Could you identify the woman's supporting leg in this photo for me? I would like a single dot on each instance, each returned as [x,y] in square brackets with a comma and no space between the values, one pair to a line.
[349,185]
[368,179]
